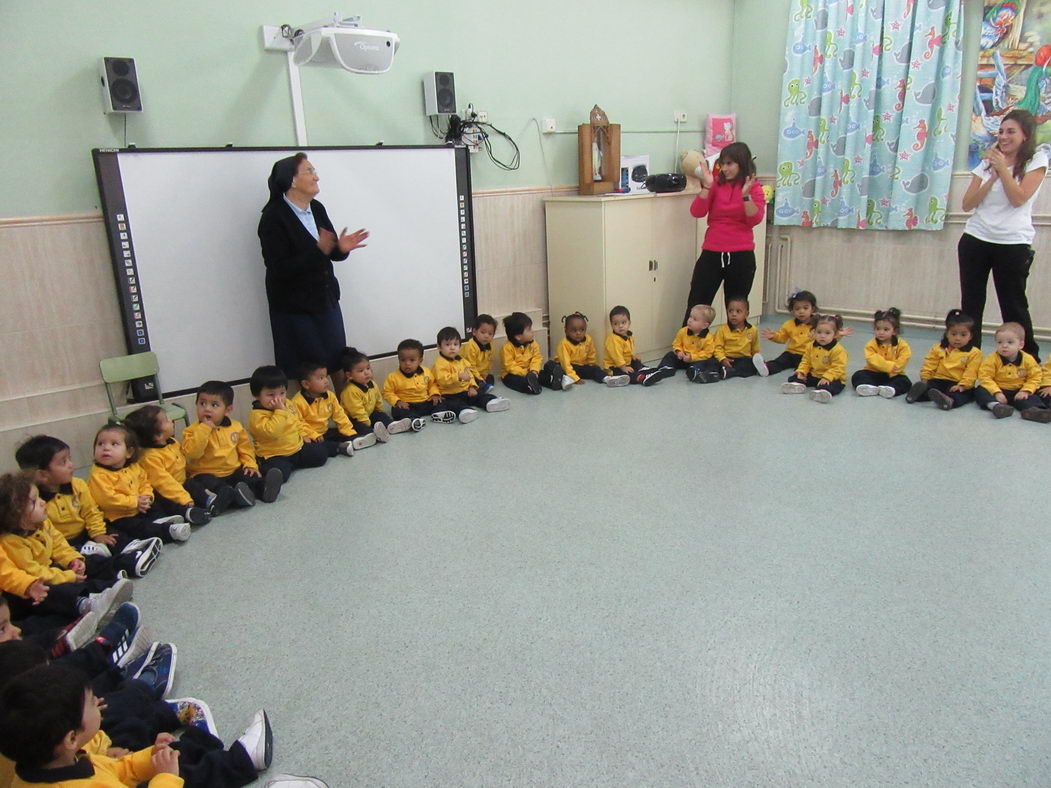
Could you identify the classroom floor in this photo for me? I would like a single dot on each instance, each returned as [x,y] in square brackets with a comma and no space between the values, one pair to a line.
[680,585]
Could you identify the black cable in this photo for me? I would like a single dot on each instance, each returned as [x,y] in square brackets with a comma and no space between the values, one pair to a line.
[125,129]
[516,157]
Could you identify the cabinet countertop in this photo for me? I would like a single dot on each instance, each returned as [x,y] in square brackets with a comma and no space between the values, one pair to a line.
[620,197]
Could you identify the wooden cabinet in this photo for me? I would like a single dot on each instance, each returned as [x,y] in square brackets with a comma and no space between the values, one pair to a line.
[638,251]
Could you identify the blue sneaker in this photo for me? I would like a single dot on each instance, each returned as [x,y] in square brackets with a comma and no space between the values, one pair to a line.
[193,713]
[156,668]
[119,634]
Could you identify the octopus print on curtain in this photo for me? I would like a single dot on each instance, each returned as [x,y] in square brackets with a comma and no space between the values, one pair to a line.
[868,113]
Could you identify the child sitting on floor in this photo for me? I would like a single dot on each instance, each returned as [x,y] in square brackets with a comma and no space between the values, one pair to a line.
[461,398]
[362,399]
[886,356]
[951,368]
[318,407]
[478,350]
[621,358]
[521,358]
[1008,378]
[411,389]
[576,357]
[737,343]
[824,365]
[796,332]
[694,345]
[219,452]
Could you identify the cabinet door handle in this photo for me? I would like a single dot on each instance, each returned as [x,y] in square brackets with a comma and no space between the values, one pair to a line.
[655,265]
[651,264]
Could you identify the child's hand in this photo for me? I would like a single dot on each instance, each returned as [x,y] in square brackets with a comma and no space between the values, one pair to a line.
[767,333]
[78,566]
[823,382]
[1001,398]
[957,387]
[472,391]
[162,741]
[144,503]
[402,404]
[846,331]
[1022,395]
[1045,391]
[465,375]
[117,752]
[436,398]
[165,761]
[625,370]
[107,539]
[801,377]
[726,363]
[253,472]
[37,591]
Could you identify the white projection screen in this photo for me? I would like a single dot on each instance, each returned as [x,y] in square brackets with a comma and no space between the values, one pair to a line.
[182,231]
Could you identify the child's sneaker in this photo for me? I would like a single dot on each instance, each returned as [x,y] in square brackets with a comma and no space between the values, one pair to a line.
[656,376]
[567,383]
[172,518]
[193,713]
[533,383]
[693,374]
[866,390]
[613,381]
[209,499]
[155,668]
[919,388]
[379,429]
[823,396]
[399,426]
[106,602]
[293,781]
[346,448]
[221,501]
[272,481]
[364,441]
[1002,411]
[710,376]
[443,417]
[243,495]
[887,392]
[760,365]
[467,415]
[90,548]
[498,404]
[791,387]
[144,554]
[195,515]
[79,633]
[258,741]
[417,424]
[1041,415]
[121,636]
[179,532]
[939,398]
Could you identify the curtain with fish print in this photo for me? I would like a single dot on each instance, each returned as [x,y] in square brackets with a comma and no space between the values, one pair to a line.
[868,113]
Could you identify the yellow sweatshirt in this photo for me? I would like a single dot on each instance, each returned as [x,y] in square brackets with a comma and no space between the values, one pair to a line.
[72,510]
[825,362]
[99,745]
[43,553]
[569,353]
[740,342]
[1046,369]
[947,363]
[520,359]
[795,335]
[360,402]
[218,451]
[99,771]
[479,356]
[13,580]
[277,433]
[166,469]
[417,387]
[700,346]
[318,411]
[446,373]
[620,351]
[117,492]
[890,358]
[1022,373]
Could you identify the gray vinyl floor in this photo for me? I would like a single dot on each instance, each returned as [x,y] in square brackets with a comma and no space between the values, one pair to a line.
[680,585]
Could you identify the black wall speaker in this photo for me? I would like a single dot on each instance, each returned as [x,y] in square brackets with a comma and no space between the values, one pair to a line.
[439,93]
[120,85]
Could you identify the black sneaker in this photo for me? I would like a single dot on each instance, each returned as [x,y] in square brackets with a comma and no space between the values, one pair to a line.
[222,501]
[1002,411]
[919,388]
[939,398]
[693,374]
[657,375]
[711,376]
[195,515]
[272,481]
[243,495]
[533,383]
[1041,415]
[145,557]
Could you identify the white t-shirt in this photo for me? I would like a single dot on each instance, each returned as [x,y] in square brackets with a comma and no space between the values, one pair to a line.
[997,221]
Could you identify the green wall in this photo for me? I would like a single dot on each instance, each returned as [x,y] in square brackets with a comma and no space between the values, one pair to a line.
[760,32]
[206,81]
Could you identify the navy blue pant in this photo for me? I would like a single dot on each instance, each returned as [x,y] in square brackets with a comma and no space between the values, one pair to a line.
[300,337]
[958,397]
[376,417]
[984,399]
[216,483]
[457,402]
[742,367]
[834,386]
[416,410]
[785,361]
[142,526]
[867,377]
[312,455]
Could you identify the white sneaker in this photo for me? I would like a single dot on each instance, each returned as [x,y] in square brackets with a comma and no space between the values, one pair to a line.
[175,518]
[760,365]
[292,781]
[399,426]
[180,531]
[364,441]
[443,416]
[791,387]
[821,395]
[467,415]
[94,548]
[379,429]
[417,424]
[497,405]
[865,390]
[106,602]
[887,392]
[258,741]
[613,381]
[346,448]
[567,382]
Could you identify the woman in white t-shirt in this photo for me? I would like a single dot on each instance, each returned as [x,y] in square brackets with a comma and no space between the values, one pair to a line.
[998,235]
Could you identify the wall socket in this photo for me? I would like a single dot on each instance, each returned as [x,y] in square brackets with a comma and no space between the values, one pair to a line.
[680,117]
[550,126]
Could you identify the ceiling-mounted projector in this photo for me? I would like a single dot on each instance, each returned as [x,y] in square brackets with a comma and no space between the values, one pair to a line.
[342,43]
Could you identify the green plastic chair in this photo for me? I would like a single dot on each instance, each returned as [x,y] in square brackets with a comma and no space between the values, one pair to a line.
[122,369]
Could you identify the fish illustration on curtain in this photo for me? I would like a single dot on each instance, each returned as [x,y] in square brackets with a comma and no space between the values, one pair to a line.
[869,104]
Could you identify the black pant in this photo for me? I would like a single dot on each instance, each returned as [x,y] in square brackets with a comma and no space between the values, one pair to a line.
[958,397]
[867,377]
[376,417]
[519,383]
[590,372]
[636,367]
[414,411]
[785,361]
[100,565]
[709,272]
[312,455]
[834,386]
[551,375]
[194,487]
[217,483]
[59,608]
[458,402]
[984,399]
[142,526]
[1009,264]
[742,367]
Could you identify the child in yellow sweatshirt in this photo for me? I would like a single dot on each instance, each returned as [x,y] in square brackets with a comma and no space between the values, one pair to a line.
[1008,378]
[520,356]
[478,350]
[693,348]
[823,367]
[621,358]
[461,398]
[576,358]
[795,333]
[319,407]
[362,399]
[950,370]
[411,389]
[737,343]
[886,356]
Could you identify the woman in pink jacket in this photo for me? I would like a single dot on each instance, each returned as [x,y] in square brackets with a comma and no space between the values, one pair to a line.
[734,203]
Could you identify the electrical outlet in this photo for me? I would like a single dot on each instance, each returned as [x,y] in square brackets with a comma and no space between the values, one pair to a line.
[680,117]
[274,41]
[481,116]
[550,126]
